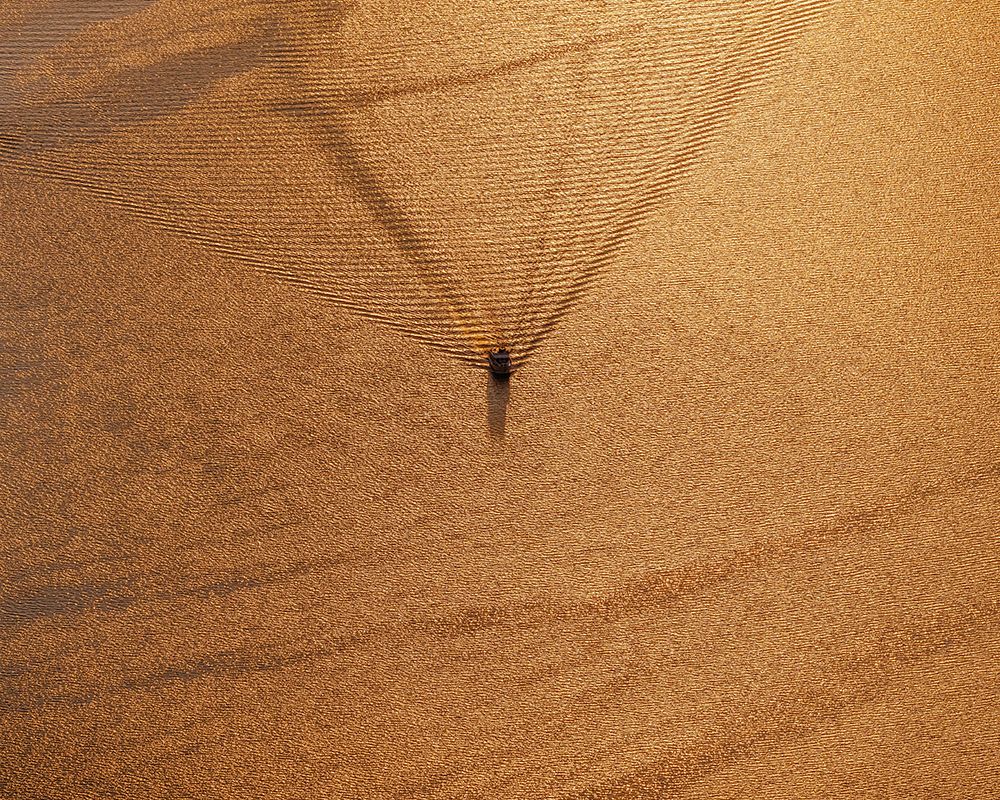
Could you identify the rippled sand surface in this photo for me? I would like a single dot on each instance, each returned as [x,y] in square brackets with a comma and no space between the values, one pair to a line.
[268,529]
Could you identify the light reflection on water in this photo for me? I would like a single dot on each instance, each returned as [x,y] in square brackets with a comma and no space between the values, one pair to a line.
[464,191]
[248,551]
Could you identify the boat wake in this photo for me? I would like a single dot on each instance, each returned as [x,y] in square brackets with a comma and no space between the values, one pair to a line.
[462,178]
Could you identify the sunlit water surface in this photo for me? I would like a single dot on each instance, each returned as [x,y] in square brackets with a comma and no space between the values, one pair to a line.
[270,530]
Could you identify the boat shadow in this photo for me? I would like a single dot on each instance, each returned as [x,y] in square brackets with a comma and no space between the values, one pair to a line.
[497,398]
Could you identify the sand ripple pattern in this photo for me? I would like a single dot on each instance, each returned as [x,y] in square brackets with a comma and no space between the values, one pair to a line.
[461,173]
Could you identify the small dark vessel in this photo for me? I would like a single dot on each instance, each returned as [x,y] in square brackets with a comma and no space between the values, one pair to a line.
[500,362]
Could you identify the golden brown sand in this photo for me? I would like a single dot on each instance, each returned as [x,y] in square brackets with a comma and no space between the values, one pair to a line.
[731,530]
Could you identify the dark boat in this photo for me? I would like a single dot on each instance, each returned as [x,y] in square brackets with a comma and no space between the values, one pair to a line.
[500,362]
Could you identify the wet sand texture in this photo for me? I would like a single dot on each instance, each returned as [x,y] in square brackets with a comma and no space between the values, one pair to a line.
[268,529]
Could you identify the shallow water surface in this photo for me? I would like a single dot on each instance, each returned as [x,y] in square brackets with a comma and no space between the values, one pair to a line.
[271,530]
